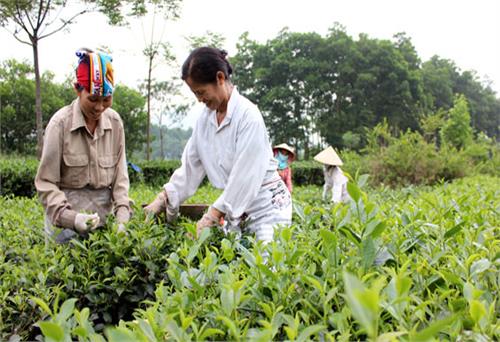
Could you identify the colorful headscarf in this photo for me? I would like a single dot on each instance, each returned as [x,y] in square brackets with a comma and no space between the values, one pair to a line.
[95,72]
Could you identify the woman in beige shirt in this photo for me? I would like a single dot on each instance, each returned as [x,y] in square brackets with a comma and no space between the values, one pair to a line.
[82,176]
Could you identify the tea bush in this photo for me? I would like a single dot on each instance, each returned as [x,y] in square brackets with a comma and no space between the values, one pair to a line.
[406,160]
[411,264]
[17,176]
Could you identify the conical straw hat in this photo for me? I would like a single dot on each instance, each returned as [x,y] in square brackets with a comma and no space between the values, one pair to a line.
[329,157]
[286,148]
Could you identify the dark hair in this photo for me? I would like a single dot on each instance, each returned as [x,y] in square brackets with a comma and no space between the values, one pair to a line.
[203,64]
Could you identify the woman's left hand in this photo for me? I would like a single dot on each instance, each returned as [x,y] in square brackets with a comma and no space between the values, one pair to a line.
[210,219]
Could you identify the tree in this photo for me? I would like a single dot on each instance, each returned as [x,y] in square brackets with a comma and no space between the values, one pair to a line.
[129,103]
[283,82]
[431,126]
[168,102]
[339,57]
[442,79]
[33,18]
[457,131]
[305,84]
[174,138]
[153,49]
[39,19]
[439,77]
[212,39]
[386,86]
[483,105]
[17,97]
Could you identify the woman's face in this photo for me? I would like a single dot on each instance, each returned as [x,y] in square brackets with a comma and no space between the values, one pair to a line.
[211,94]
[93,106]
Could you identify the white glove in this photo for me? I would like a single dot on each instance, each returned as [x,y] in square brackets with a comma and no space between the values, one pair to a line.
[86,222]
[121,229]
[158,205]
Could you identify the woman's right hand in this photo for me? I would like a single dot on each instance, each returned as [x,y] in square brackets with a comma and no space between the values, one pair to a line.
[85,222]
[158,205]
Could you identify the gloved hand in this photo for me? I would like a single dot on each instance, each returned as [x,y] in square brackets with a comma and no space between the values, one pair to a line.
[208,220]
[85,222]
[158,205]
[121,229]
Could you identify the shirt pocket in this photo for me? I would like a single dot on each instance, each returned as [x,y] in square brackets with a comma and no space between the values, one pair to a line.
[107,167]
[76,170]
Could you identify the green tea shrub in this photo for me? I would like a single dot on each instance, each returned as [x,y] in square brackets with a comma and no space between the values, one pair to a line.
[414,264]
[307,172]
[158,172]
[17,176]
[112,274]
[108,273]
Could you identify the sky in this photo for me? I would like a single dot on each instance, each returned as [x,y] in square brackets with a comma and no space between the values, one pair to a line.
[465,31]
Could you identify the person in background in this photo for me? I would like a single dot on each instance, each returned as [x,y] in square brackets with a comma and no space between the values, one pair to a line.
[230,146]
[82,176]
[285,155]
[335,181]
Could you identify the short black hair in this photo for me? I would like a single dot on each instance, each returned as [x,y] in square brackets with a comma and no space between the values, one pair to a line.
[203,64]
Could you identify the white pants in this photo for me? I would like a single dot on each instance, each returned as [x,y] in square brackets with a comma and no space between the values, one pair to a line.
[271,208]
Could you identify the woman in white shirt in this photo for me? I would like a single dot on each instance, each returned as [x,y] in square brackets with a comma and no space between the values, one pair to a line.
[229,145]
[335,181]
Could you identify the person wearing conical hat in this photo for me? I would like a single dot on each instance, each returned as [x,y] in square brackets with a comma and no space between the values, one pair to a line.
[335,181]
[285,155]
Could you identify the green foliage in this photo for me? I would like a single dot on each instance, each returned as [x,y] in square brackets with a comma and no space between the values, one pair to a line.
[17,176]
[17,105]
[109,274]
[351,140]
[129,103]
[118,12]
[155,172]
[411,160]
[174,140]
[457,131]
[17,94]
[337,86]
[307,172]
[416,264]
[431,126]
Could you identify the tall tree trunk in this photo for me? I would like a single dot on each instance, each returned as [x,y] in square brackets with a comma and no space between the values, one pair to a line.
[38,100]
[161,142]
[148,137]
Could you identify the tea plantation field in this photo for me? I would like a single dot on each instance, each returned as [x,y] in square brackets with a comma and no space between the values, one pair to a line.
[415,264]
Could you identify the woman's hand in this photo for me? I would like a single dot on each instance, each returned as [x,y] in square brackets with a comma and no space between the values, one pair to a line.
[210,219]
[85,222]
[158,205]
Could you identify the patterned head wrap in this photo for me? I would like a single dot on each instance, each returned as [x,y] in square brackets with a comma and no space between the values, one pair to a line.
[95,73]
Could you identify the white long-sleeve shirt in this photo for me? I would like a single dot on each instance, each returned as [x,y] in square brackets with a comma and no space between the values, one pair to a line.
[337,182]
[236,156]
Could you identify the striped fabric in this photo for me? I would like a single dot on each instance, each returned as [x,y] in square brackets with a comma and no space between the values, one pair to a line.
[95,72]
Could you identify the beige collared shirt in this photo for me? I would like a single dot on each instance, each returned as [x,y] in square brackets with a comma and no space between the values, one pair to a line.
[73,158]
